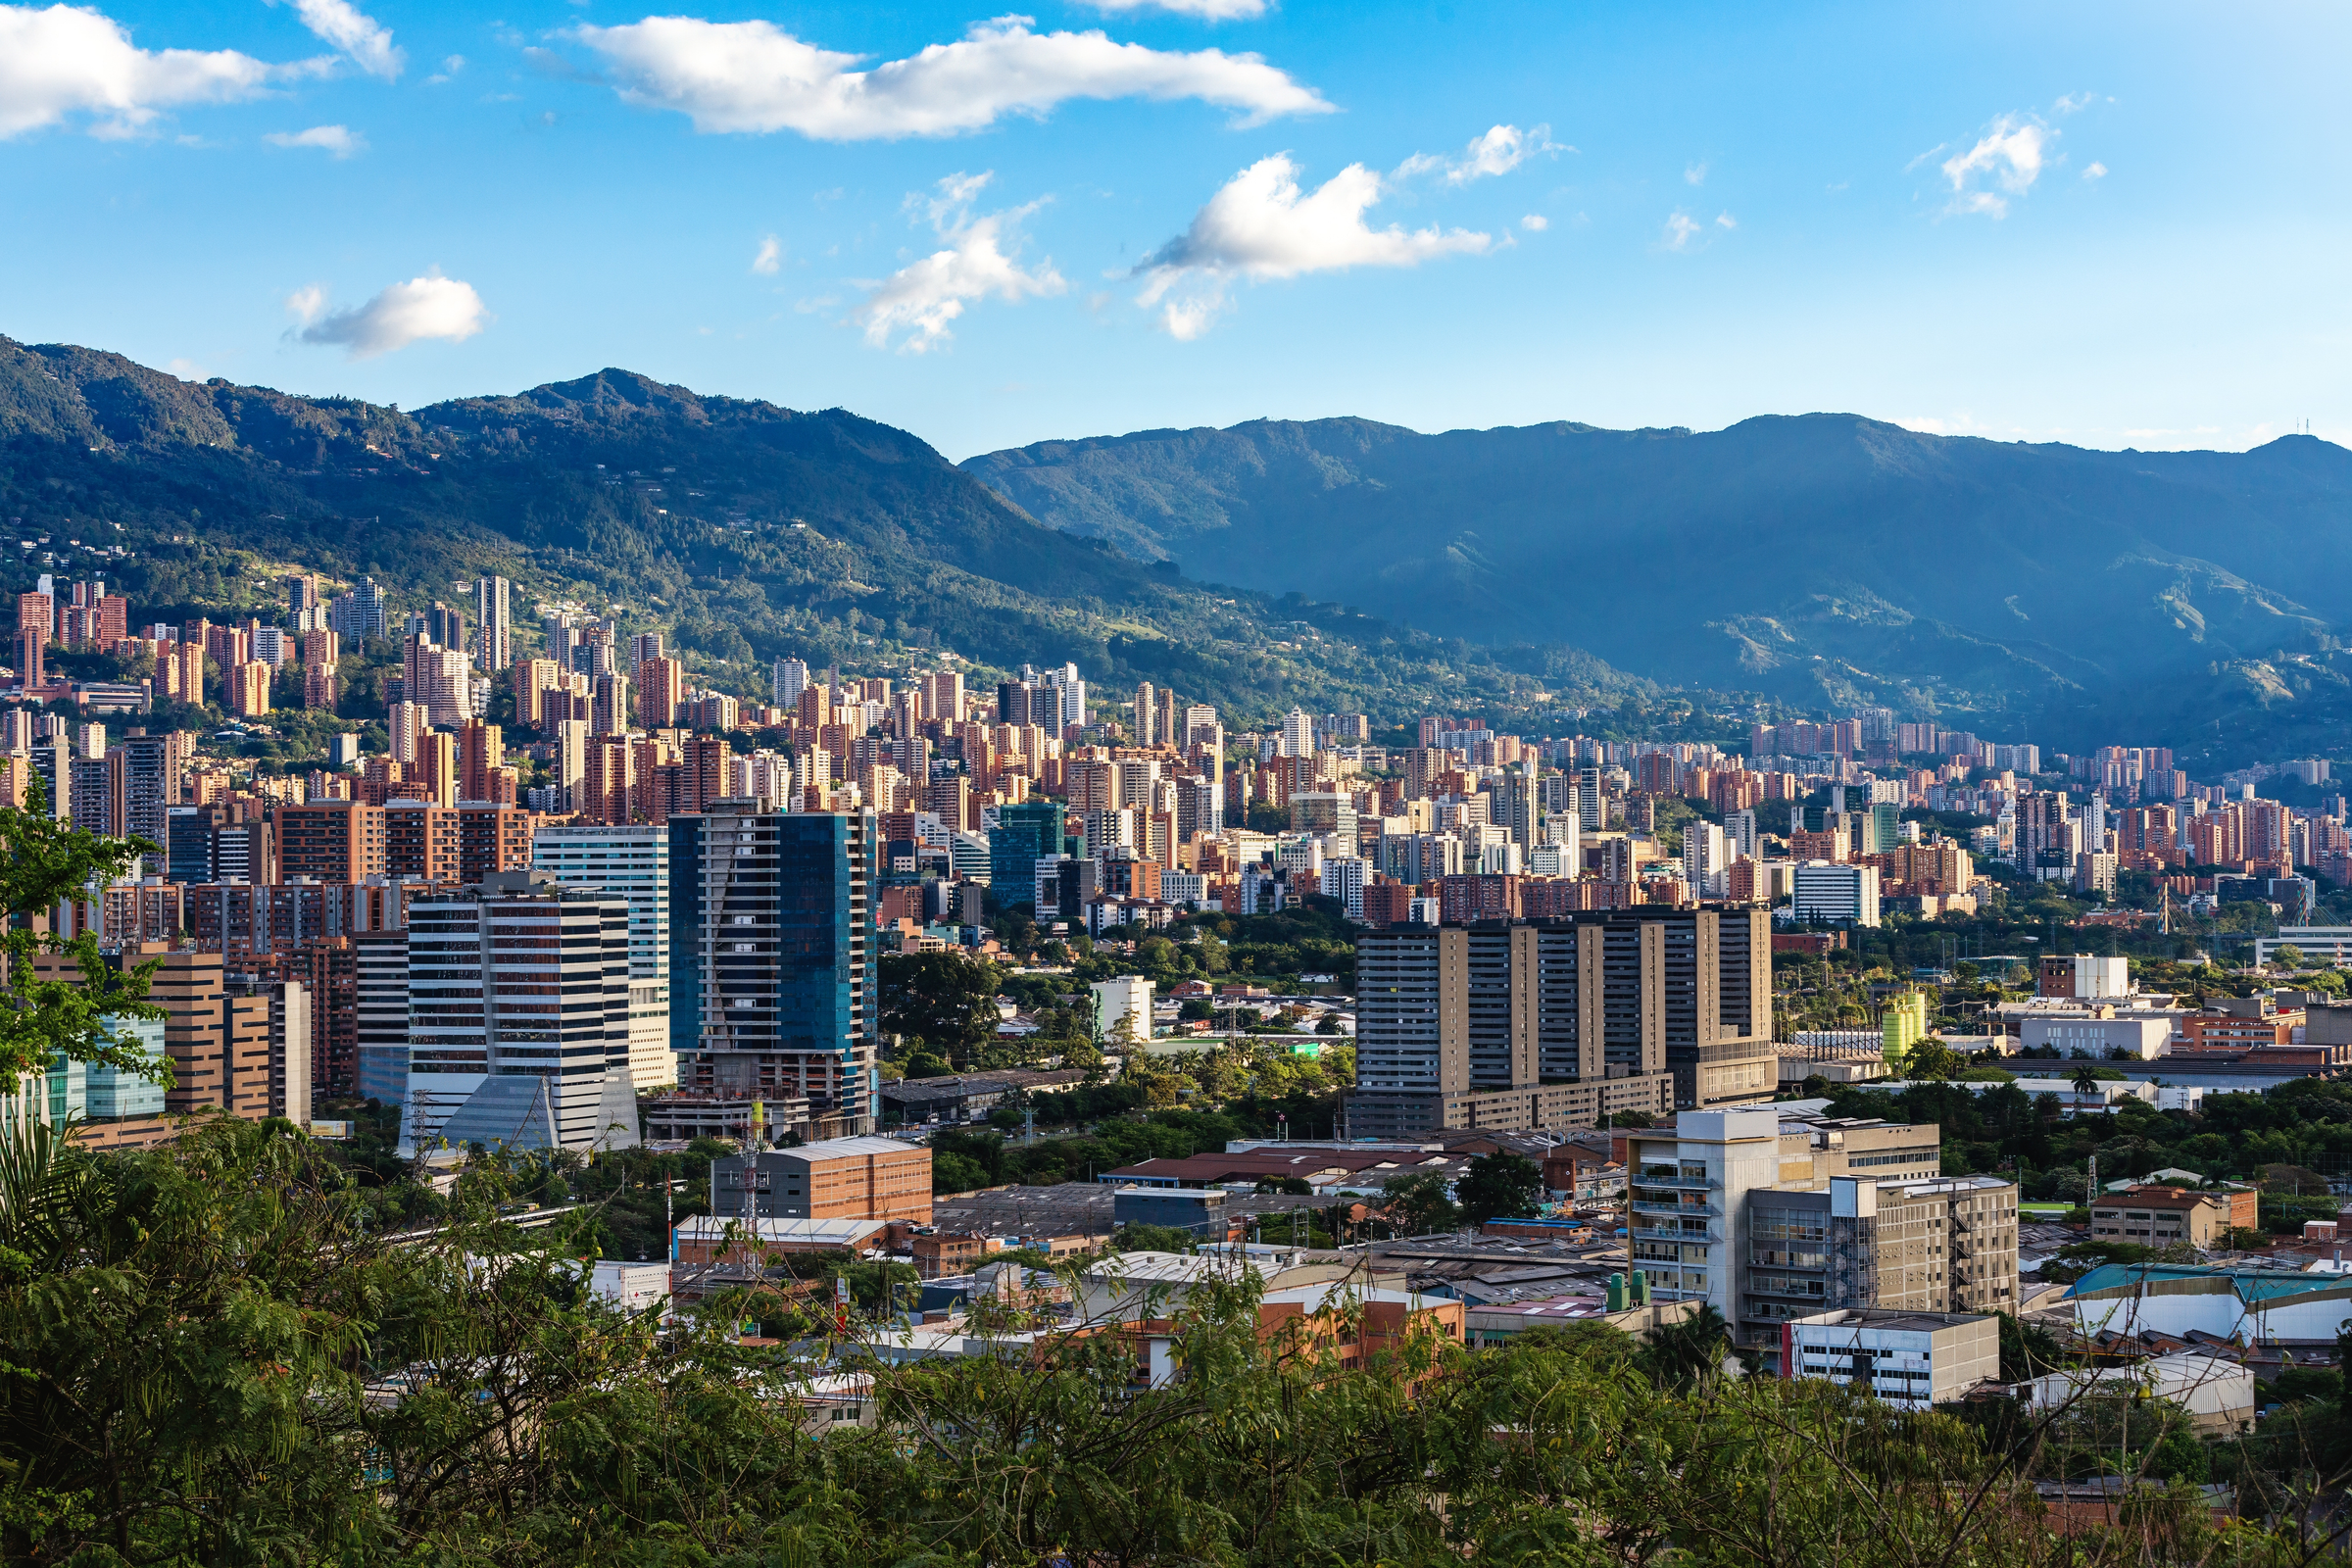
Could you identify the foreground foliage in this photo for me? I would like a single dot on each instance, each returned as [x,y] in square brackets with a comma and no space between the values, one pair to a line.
[211,1356]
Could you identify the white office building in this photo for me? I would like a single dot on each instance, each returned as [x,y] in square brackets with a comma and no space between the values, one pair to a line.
[519,1019]
[631,861]
[1836,894]
[1911,1360]
[1128,997]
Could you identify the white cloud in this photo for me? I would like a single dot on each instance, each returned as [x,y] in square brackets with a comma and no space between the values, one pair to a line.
[338,140]
[925,298]
[423,308]
[68,59]
[1725,221]
[1260,227]
[2073,102]
[770,256]
[1695,174]
[449,69]
[360,37]
[754,77]
[1497,152]
[2008,157]
[1535,222]
[1681,229]
[2095,171]
[1204,9]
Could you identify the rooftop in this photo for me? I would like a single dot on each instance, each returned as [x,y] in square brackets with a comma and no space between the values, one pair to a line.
[1884,1318]
[854,1149]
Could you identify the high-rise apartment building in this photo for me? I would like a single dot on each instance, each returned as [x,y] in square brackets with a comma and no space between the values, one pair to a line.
[1297,734]
[493,615]
[1147,715]
[773,962]
[329,841]
[1558,1022]
[661,692]
[787,680]
[518,1026]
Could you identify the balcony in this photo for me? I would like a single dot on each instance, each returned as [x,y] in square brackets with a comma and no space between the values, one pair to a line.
[1657,1232]
[1642,1205]
[1676,1183]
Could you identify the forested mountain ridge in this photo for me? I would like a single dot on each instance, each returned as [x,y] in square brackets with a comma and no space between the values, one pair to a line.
[2188,597]
[746,530]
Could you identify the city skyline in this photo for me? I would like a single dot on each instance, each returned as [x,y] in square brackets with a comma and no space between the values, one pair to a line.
[1122,216]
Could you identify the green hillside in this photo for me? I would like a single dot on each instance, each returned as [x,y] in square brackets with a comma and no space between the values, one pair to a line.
[746,530]
[2194,599]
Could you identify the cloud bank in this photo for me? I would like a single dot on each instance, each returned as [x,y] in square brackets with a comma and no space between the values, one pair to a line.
[752,76]
[432,307]
[68,59]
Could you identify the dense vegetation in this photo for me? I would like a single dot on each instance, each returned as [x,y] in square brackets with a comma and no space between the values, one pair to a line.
[213,1358]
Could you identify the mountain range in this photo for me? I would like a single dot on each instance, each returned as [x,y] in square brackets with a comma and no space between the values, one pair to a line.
[2040,592]
[2192,598]
[745,531]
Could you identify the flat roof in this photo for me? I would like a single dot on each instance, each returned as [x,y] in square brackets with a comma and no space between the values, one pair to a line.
[854,1149]
[841,1232]
[1877,1317]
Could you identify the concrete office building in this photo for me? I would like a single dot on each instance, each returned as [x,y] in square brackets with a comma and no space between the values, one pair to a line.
[1771,1217]
[631,861]
[1910,1360]
[774,961]
[518,1029]
[1558,1023]
[840,1178]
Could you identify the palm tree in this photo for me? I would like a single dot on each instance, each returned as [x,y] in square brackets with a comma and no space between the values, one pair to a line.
[1689,1351]
[2086,1081]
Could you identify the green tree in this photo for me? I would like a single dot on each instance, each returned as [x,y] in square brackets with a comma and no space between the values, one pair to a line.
[945,1000]
[1503,1185]
[2287,956]
[1137,1237]
[1417,1203]
[957,1173]
[62,990]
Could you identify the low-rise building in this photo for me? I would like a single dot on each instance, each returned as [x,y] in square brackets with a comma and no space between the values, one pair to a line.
[2217,1393]
[1910,1360]
[735,1240]
[840,1178]
[2159,1216]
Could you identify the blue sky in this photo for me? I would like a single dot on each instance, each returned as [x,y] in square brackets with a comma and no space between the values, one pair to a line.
[2119,226]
